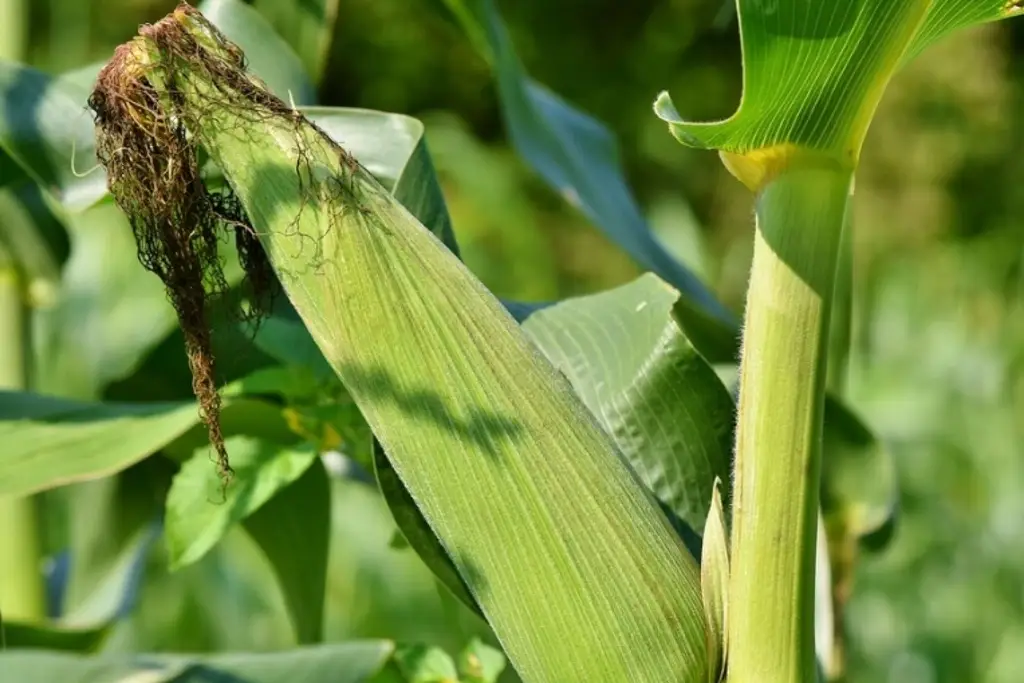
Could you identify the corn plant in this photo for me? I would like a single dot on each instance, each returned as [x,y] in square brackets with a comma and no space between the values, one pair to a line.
[572,473]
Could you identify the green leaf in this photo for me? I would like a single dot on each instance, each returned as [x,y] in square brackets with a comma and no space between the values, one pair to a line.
[824,610]
[288,341]
[626,355]
[293,383]
[354,662]
[424,664]
[393,149]
[109,521]
[813,73]
[108,312]
[417,533]
[543,518]
[481,663]
[19,636]
[50,442]
[714,583]
[116,592]
[293,529]
[41,121]
[947,16]
[200,509]
[578,157]
[269,56]
[860,492]
[307,25]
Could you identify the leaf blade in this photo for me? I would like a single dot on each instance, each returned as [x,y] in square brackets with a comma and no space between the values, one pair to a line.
[293,529]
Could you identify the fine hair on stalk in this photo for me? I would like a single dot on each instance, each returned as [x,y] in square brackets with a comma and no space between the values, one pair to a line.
[149,138]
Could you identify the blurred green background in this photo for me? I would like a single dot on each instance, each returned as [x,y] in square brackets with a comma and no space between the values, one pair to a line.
[937,365]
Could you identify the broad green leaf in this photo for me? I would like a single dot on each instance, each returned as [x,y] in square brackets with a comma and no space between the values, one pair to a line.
[50,442]
[946,16]
[354,662]
[307,25]
[543,518]
[41,121]
[813,73]
[424,664]
[293,529]
[200,509]
[714,583]
[481,663]
[578,157]
[269,56]
[626,355]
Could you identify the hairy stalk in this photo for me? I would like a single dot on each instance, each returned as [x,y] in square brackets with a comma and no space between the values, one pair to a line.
[782,384]
[21,589]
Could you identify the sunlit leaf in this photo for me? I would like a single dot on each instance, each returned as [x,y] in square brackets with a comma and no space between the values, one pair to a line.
[50,442]
[626,355]
[417,533]
[813,73]
[424,664]
[481,663]
[947,16]
[200,508]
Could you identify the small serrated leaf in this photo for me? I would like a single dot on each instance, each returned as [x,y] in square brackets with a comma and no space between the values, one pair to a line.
[424,664]
[481,663]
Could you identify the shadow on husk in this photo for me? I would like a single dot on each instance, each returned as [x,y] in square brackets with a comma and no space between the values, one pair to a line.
[149,139]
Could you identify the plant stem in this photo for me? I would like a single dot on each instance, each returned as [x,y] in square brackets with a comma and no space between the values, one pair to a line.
[13,29]
[21,587]
[782,384]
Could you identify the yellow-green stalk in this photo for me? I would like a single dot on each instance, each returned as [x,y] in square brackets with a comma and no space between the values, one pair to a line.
[21,586]
[800,215]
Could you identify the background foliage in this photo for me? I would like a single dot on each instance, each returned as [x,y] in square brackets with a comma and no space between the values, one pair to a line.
[937,365]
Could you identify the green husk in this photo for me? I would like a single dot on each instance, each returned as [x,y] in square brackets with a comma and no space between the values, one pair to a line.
[570,559]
